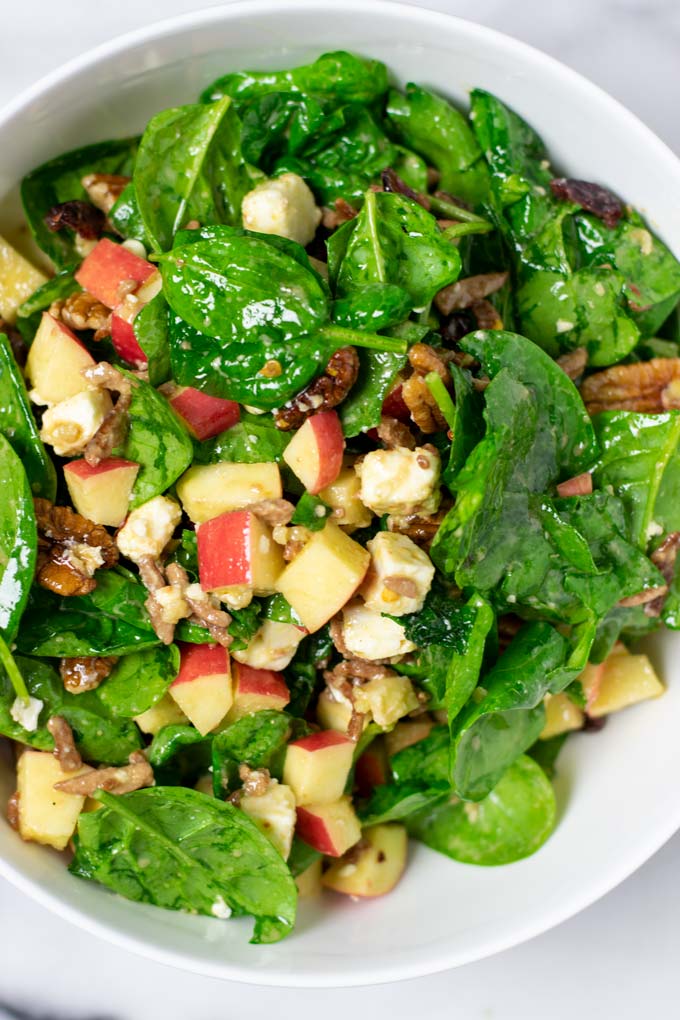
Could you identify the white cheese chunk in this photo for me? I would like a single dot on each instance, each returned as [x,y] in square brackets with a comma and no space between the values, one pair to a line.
[368,635]
[173,605]
[69,425]
[283,206]
[274,814]
[26,712]
[387,698]
[399,577]
[400,481]
[271,647]
[149,528]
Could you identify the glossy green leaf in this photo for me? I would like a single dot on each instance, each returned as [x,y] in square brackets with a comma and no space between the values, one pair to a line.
[19,428]
[18,541]
[139,680]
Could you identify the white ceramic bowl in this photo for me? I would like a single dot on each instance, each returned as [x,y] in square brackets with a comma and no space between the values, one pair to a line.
[618,789]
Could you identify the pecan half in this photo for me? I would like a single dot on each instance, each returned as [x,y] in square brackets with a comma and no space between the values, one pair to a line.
[82,217]
[573,363]
[273,511]
[395,434]
[85,672]
[111,432]
[341,212]
[326,391]
[592,197]
[422,406]
[70,549]
[104,190]
[651,386]
[123,779]
[420,528]
[424,359]
[487,315]
[65,750]
[255,781]
[467,292]
[82,311]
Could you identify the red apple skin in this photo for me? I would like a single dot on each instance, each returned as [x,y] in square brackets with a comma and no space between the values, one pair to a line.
[125,342]
[370,771]
[317,741]
[201,660]
[260,681]
[82,469]
[394,405]
[204,416]
[318,827]
[331,443]
[312,830]
[223,550]
[106,267]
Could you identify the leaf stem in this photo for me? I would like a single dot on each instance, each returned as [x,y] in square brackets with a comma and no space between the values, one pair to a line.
[12,670]
[451,211]
[472,227]
[344,336]
[443,398]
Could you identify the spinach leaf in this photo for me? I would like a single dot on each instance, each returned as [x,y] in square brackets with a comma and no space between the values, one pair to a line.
[59,180]
[172,739]
[436,130]
[546,752]
[362,409]
[139,680]
[311,512]
[394,802]
[29,313]
[111,620]
[156,440]
[301,856]
[151,332]
[373,307]
[425,764]
[258,740]
[99,736]
[18,541]
[302,674]
[189,166]
[182,850]
[252,440]
[339,76]
[510,823]
[126,216]
[466,424]
[18,426]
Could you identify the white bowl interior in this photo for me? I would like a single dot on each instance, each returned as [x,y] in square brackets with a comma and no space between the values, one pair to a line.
[616,789]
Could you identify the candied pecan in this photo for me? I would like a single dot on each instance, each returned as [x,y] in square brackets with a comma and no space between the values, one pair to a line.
[13,811]
[65,750]
[104,190]
[85,672]
[273,511]
[206,611]
[152,578]
[392,182]
[341,212]
[70,549]
[395,434]
[592,197]
[82,311]
[422,406]
[355,726]
[573,363]
[358,670]
[326,391]
[255,781]
[418,527]
[467,292]
[641,598]
[425,359]
[486,315]
[111,432]
[121,779]
[337,635]
[649,386]
[579,485]
[83,217]
[405,586]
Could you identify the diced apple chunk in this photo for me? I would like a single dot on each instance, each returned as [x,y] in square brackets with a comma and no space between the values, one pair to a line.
[46,815]
[314,454]
[387,698]
[18,280]
[316,767]
[204,416]
[101,493]
[70,425]
[323,576]
[165,712]
[561,716]
[256,690]
[334,713]
[343,496]
[274,814]
[308,882]
[203,688]
[272,646]
[55,362]
[206,491]
[330,828]
[375,867]
[109,269]
[627,679]
[236,550]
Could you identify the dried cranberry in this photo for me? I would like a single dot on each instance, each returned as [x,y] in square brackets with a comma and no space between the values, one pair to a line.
[594,725]
[392,182]
[456,325]
[84,218]
[592,197]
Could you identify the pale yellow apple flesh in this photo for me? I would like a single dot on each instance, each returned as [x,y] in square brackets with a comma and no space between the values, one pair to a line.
[18,280]
[373,869]
[102,493]
[206,491]
[56,361]
[316,767]
[46,815]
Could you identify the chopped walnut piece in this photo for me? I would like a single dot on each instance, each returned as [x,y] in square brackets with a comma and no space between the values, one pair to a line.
[112,430]
[467,292]
[418,527]
[123,779]
[573,363]
[323,393]
[151,574]
[341,212]
[395,434]
[422,406]
[86,672]
[82,217]
[83,311]
[65,750]
[70,548]
[644,386]
[273,511]
[643,597]
[104,190]
[255,781]
[358,669]
[13,811]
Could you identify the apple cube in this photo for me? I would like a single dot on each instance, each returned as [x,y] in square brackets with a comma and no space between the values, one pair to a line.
[330,828]
[107,267]
[626,680]
[387,698]
[407,733]
[272,646]
[308,882]
[561,716]
[323,576]
[235,550]
[274,814]
[343,496]
[316,767]
[373,869]
[18,280]
[46,815]
[333,714]
[101,493]
[125,342]
[371,769]
[203,415]
[314,454]
[206,491]
[256,690]
[56,361]
[591,680]
[165,712]
[203,688]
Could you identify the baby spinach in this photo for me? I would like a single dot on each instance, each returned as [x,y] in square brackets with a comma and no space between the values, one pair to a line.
[373,307]
[301,856]
[362,409]
[126,217]
[311,512]
[156,440]
[466,424]
[18,426]
[394,802]
[139,680]
[258,740]
[302,675]
[189,167]
[172,739]
[510,823]
[61,285]
[59,180]
[436,130]
[18,541]
[183,850]
[151,332]
[254,439]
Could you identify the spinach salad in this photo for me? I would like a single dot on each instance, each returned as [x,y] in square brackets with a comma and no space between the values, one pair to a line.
[340,465]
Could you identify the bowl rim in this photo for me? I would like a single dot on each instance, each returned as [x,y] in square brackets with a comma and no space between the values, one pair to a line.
[441,958]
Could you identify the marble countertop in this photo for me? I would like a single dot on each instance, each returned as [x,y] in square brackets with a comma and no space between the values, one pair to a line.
[617,959]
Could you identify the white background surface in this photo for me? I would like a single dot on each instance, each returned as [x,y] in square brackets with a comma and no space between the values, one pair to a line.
[619,958]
